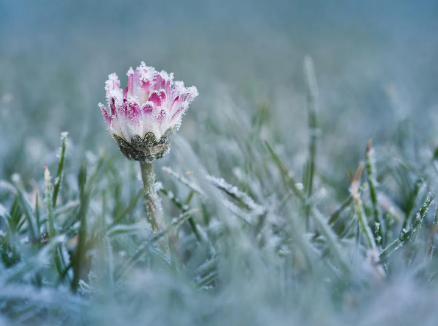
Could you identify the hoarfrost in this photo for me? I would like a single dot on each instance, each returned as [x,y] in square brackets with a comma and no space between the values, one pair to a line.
[158,185]
[233,191]
[191,185]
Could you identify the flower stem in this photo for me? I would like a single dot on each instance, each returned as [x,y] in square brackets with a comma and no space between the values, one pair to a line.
[153,207]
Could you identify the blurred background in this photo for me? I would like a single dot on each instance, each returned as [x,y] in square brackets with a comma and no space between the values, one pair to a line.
[375,63]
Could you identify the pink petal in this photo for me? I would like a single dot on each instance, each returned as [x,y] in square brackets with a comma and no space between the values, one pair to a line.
[120,111]
[113,91]
[175,101]
[132,112]
[179,112]
[168,86]
[136,83]
[159,82]
[112,105]
[146,76]
[162,95]
[162,115]
[130,87]
[105,114]
[169,83]
[155,98]
[148,108]
[146,86]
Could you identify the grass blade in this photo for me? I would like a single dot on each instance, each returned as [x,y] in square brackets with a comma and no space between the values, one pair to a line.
[183,207]
[25,206]
[405,235]
[59,174]
[419,187]
[51,216]
[359,211]
[79,258]
[372,184]
[155,238]
[184,181]
[319,220]
[434,229]
[126,211]
[312,97]
[49,203]
[37,216]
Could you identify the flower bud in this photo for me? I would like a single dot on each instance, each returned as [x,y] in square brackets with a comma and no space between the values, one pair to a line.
[151,108]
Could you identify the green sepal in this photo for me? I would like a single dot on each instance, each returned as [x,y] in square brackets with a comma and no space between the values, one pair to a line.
[145,149]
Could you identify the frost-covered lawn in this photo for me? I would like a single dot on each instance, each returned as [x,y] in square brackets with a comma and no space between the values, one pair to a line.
[277,208]
[264,245]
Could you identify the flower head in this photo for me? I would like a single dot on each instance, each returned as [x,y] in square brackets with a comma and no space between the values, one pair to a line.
[151,108]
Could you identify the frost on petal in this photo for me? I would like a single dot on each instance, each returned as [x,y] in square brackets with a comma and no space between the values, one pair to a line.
[119,110]
[142,82]
[163,80]
[161,116]
[189,95]
[175,104]
[169,83]
[136,90]
[105,114]
[113,90]
[134,119]
[132,112]
[113,108]
[178,113]
[162,95]
[148,108]
[129,88]
[192,93]
[155,98]
[159,81]
[181,103]
[114,128]
[178,88]
[123,123]
[146,74]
